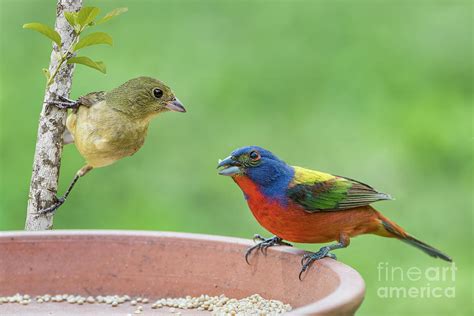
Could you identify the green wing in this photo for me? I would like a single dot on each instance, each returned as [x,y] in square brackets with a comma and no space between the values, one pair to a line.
[317,191]
[92,98]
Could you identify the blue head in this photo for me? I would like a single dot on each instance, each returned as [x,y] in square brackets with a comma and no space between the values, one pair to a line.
[265,169]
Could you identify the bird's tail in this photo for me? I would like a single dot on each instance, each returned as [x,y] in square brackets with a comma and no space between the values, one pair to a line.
[396,231]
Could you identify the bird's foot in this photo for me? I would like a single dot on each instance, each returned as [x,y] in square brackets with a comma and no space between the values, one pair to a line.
[64,103]
[264,244]
[308,259]
[54,207]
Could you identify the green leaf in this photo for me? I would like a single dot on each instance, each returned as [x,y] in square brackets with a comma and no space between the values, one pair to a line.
[86,15]
[45,30]
[100,66]
[71,17]
[112,14]
[94,39]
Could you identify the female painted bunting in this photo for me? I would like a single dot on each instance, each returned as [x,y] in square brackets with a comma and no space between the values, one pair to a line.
[108,126]
[306,206]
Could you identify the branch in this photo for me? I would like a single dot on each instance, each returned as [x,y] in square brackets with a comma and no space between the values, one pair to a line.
[49,144]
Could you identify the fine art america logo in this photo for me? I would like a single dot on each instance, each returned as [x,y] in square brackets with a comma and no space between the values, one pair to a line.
[436,282]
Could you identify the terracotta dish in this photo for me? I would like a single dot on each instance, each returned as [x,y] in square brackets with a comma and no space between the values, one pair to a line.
[165,264]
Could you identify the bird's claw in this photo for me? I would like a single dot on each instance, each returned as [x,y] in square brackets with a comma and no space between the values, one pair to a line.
[257,237]
[54,207]
[64,103]
[332,256]
[308,259]
[64,99]
[264,244]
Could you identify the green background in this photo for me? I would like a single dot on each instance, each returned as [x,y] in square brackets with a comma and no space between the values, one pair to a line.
[380,91]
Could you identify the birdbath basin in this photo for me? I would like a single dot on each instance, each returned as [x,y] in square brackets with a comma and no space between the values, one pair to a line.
[164,264]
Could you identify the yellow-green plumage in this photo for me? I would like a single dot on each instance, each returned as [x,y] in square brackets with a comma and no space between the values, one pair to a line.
[108,126]
[305,176]
[103,135]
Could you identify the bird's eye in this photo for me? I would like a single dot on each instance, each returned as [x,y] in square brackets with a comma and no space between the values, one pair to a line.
[158,93]
[254,155]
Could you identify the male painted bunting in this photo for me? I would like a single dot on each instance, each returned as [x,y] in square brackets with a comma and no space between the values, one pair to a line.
[108,126]
[307,206]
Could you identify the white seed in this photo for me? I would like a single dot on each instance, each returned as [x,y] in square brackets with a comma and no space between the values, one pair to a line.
[217,305]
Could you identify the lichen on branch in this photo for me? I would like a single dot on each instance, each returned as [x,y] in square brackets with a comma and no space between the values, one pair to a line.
[49,144]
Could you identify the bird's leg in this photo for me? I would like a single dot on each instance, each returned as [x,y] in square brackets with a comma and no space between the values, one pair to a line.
[62,199]
[264,244]
[64,103]
[308,259]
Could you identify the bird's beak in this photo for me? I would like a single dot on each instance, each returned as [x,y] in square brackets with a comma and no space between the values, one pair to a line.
[229,166]
[175,106]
